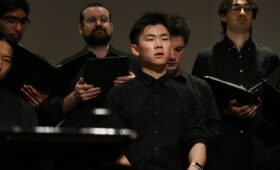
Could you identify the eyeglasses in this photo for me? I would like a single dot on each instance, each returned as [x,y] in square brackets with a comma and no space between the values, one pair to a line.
[13,21]
[238,7]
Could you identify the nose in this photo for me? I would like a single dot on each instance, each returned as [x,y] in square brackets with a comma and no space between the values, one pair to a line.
[19,27]
[158,43]
[242,11]
[98,22]
[172,56]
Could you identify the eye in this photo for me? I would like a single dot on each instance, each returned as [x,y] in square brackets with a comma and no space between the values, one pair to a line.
[7,60]
[179,49]
[104,19]
[11,19]
[91,19]
[235,7]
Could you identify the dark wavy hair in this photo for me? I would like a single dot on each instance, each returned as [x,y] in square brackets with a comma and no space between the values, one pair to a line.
[11,5]
[179,27]
[149,18]
[226,4]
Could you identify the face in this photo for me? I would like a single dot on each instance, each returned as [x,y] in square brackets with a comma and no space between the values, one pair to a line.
[154,46]
[178,48]
[10,25]
[6,55]
[239,19]
[96,28]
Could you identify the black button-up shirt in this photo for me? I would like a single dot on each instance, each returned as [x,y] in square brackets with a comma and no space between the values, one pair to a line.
[80,116]
[208,106]
[247,68]
[15,111]
[165,116]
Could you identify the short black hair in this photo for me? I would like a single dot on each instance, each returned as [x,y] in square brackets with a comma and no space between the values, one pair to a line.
[96,4]
[149,18]
[11,5]
[5,37]
[226,4]
[179,27]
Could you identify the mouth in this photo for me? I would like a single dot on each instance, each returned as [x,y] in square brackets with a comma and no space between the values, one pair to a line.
[171,64]
[16,36]
[242,20]
[159,54]
[99,31]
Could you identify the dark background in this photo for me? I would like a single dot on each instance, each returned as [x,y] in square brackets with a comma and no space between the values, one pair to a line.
[53,31]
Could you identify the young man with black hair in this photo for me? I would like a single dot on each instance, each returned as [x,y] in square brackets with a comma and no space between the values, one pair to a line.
[179,39]
[239,60]
[14,110]
[163,112]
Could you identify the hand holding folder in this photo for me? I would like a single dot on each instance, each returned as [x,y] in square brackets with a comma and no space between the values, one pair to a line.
[226,91]
[102,72]
[30,69]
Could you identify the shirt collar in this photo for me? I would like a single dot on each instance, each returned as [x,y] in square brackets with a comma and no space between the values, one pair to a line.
[231,46]
[112,52]
[149,80]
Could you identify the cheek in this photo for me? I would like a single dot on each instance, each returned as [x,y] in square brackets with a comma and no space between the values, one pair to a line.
[5,28]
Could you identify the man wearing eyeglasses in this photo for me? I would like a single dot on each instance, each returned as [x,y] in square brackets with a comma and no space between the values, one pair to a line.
[239,60]
[13,21]
[14,17]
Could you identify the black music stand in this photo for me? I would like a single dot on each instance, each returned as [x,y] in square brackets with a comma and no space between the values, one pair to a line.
[49,148]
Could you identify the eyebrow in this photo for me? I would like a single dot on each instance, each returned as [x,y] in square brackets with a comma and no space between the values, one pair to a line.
[153,35]
[7,56]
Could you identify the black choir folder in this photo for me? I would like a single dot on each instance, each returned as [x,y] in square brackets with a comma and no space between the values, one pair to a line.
[271,103]
[31,69]
[102,72]
[225,91]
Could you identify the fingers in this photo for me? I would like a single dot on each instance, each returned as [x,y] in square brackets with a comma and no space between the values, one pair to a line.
[246,111]
[86,92]
[249,113]
[28,96]
[35,98]
[123,79]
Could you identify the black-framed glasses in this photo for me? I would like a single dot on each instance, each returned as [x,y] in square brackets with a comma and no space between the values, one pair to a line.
[13,21]
[238,7]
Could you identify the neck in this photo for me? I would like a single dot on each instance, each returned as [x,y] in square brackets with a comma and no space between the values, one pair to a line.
[173,73]
[238,39]
[155,72]
[100,51]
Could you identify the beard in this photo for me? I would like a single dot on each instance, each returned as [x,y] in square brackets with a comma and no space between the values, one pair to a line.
[94,39]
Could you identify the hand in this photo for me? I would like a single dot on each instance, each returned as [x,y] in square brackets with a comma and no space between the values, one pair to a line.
[84,92]
[236,109]
[123,161]
[36,99]
[123,79]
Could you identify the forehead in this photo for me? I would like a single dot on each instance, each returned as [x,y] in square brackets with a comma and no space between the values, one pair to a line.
[239,2]
[20,13]
[5,49]
[177,41]
[157,29]
[96,12]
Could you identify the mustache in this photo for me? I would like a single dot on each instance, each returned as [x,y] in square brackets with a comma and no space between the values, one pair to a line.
[98,29]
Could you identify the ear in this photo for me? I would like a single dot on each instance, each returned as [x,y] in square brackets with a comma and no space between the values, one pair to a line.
[223,17]
[134,49]
[80,28]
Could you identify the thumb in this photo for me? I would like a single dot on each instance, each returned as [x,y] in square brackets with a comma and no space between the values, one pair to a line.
[81,81]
